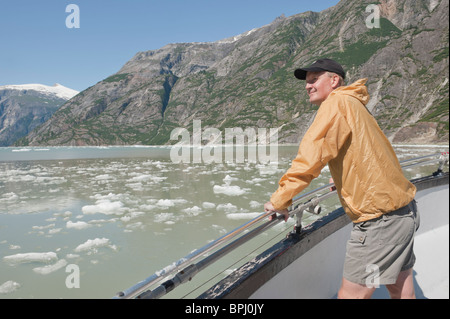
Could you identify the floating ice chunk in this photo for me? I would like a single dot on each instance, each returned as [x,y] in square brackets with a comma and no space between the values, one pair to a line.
[9,197]
[135,186]
[43,227]
[66,214]
[221,229]
[125,218]
[9,287]
[228,179]
[131,215]
[229,208]
[45,270]
[30,258]
[77,225]
[110,196]
[158,179]
[93,244]
[26,178]
[193,211]
[141,178]
[254,204]
[165,203]
[271,169]
[147,207]
[103,177]
[229,190]
[208,205]
[54,231]
[256,180]
[104,207]
[164,218]
[50,180]
[135,225]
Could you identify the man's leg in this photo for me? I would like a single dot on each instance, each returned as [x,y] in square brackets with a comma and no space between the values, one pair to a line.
[350,290]
[404,287]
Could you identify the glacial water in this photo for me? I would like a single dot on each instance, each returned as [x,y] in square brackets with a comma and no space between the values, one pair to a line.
[87,222]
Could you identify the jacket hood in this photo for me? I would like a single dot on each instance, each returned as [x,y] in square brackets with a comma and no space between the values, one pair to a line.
[357,89]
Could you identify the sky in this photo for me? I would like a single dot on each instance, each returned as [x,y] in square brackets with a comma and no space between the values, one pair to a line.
[38,44]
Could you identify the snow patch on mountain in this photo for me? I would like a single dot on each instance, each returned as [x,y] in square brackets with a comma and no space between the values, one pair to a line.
[57,89]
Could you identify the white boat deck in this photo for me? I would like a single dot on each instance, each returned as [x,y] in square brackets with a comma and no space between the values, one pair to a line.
[431,247]
[428,284]
[431,270]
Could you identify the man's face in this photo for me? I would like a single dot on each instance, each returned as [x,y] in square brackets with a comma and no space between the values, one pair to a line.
[319,85]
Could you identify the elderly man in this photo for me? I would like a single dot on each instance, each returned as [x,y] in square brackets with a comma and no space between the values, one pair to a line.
[368,178]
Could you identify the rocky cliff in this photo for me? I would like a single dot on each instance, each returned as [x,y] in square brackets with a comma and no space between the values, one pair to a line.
[247,80]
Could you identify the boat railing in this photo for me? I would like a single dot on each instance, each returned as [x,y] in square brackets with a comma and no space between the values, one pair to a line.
[186,268]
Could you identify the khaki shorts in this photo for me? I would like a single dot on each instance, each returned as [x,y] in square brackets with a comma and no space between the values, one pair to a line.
[379,249]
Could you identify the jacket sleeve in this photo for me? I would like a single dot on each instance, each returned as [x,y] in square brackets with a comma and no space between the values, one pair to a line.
[321,143]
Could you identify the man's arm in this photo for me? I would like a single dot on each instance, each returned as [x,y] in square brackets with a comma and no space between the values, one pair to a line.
[321,143]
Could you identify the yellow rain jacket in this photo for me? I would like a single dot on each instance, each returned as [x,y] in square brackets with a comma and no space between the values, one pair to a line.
[362,162]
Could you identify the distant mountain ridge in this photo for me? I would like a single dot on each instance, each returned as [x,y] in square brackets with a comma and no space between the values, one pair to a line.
[25,107]
[247,80]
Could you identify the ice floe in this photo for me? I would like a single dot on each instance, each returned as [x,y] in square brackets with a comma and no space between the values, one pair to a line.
[92,245]
[78,225]
[166,203]
[167,218]
[31,258]
[228,208]
[9,197]
[45,270]
[255,204]
[104,207]
[208,205]
[192,211]
[9,287]
[230,190]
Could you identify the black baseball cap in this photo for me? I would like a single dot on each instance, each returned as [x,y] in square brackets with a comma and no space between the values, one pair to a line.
[320,65]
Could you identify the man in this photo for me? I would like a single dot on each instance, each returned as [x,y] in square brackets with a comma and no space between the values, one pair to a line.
[368,178]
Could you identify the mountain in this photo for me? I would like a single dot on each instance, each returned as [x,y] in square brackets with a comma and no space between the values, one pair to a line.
[24,107]
[247,80]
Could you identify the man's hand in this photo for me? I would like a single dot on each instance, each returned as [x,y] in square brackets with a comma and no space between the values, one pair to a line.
[268,207]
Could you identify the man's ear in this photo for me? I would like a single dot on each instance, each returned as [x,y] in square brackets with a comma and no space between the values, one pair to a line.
[335,81]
